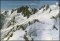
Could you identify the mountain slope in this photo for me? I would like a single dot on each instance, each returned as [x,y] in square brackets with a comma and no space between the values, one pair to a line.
[38,26]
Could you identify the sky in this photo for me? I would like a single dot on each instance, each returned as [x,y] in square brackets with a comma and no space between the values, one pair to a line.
[8,5]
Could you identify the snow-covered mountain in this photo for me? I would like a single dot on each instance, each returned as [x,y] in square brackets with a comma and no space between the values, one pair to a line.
[27,24]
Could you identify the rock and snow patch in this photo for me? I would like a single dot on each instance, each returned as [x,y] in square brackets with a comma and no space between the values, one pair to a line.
[18,35]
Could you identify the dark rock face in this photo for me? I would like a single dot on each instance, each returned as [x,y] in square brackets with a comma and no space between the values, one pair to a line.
[59,3]
[50,10]
[12,11]
[47,6]
[36,20]
[5,13]
[34,10]
[11,22]
[59,15]
[25,11]
[1,20]
[54,27]
[41,7]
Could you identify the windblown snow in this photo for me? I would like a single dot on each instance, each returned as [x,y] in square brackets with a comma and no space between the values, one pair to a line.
[43,25]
